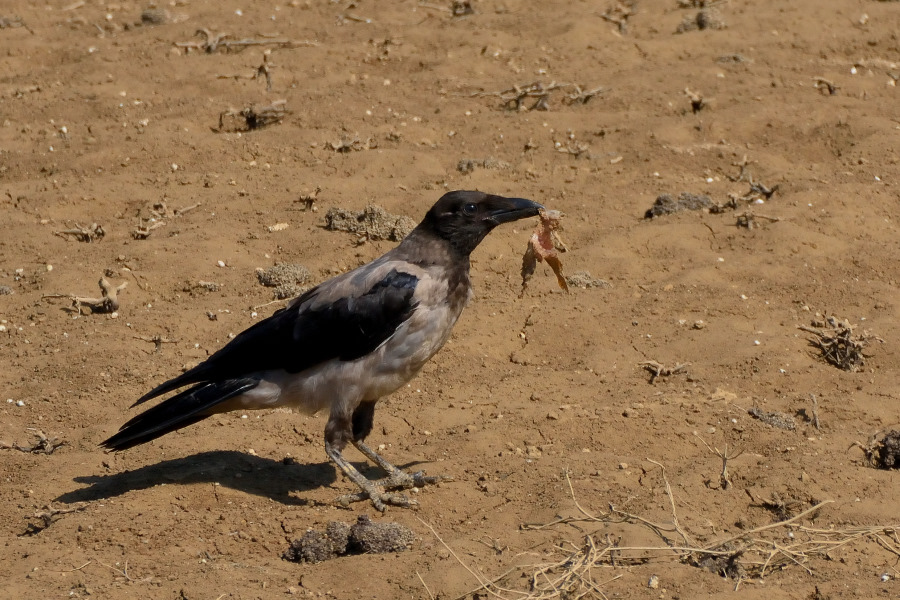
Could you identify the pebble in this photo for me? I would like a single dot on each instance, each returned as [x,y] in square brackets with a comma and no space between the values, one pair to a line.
[653,583]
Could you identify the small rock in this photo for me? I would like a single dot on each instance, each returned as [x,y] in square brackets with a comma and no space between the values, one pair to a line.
[553,415]
[653,583]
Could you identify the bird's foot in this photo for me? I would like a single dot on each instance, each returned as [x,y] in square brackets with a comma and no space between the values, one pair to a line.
[400,480]
[380,499]
[379,491]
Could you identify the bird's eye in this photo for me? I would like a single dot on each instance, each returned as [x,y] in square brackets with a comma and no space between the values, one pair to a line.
[470,208]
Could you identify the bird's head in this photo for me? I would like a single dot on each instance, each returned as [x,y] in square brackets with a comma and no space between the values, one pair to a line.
[464,218]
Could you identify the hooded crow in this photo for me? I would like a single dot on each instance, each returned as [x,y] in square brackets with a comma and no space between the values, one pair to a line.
[345,343]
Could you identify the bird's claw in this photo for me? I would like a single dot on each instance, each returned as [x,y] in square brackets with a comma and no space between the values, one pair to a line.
[379,491]
[381,500]
[405,481]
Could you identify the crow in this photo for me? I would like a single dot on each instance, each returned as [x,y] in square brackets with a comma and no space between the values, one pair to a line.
[345,343]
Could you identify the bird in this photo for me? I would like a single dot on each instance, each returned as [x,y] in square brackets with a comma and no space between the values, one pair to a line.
[344,344]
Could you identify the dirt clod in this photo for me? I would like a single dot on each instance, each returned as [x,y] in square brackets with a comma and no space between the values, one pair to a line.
[467,165]
[775,419]
[372,223]
[584,280]
[724,565]
[317,546]
[339,539]
[371,537]
[883,451]
[666,204]
[707,18]
[253,117]
[289,280]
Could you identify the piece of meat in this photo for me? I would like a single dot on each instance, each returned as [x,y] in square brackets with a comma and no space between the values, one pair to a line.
[544,246]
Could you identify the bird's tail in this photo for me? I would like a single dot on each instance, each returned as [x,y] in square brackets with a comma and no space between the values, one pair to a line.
[183,409]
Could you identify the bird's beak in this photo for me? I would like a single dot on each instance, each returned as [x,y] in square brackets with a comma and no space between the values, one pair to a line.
[506,210]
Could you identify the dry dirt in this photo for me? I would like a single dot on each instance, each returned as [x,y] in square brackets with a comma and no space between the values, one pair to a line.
[392,104]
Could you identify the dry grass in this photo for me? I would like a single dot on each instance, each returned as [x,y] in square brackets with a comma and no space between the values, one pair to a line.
[574,571]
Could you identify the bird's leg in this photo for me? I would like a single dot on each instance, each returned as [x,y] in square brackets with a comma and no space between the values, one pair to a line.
[342,428]
[371,490]
[397,478]
[362,420]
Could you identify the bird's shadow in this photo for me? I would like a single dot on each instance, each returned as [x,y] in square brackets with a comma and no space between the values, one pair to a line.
[251,474]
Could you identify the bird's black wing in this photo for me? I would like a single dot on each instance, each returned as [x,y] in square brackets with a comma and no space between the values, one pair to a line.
[316,328]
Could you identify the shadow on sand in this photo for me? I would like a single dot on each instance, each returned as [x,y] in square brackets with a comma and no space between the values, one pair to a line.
[251,474]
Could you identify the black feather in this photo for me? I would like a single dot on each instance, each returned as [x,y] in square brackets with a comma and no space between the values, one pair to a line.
[179,411]
[300,337]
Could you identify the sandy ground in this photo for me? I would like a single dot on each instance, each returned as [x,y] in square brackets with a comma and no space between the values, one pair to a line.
[537,401]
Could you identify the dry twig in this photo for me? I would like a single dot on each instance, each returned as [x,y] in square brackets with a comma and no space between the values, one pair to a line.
[675,523]
[659,370]
[516,97]
[108,303]
[309,200]
[619,13]
[91,233]
[882,451]
[696,98]
[48,515]
[744,173]
[747,219]
[264,70]
[157,340]
[211,42]
[746,554]
[44,444]
[143,231]
[815,411]
[724,478]
[826,86]
[838,344]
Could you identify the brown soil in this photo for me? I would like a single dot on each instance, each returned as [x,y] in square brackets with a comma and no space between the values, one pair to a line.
[101,121]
